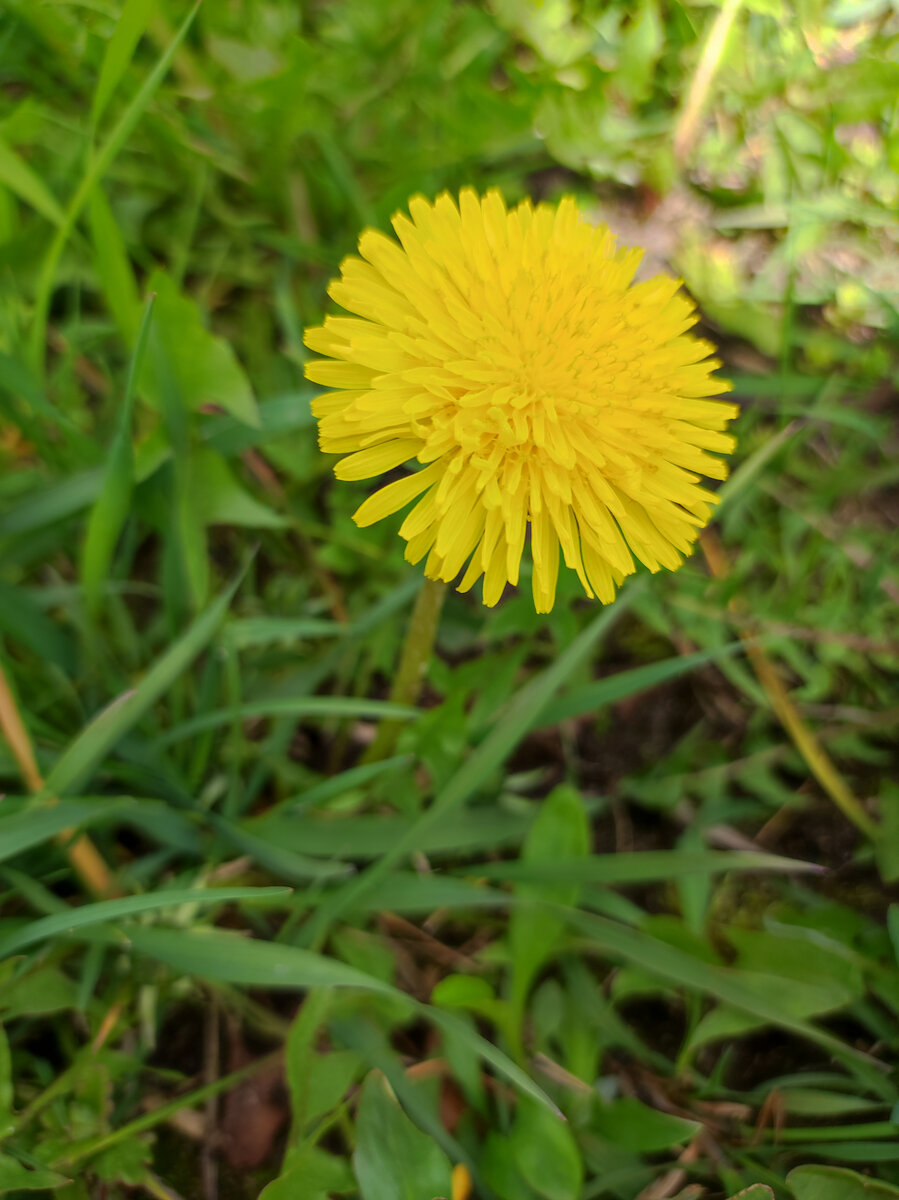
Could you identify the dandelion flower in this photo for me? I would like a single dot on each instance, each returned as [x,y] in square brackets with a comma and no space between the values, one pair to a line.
[510,359]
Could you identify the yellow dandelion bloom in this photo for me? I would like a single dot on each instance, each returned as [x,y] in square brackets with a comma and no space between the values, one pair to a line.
[510,356]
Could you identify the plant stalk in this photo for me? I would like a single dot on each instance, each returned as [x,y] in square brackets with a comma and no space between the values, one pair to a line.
[416,654]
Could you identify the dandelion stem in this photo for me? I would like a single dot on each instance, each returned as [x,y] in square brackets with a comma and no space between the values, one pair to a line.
[414,659]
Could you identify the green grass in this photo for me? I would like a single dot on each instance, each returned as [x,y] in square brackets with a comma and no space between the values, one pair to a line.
[632,865]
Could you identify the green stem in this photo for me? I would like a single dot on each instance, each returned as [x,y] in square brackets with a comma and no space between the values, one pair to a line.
[416,655]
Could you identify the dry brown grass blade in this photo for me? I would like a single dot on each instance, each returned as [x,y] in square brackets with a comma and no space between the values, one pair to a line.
[709,62]
[816,757]
[86,860]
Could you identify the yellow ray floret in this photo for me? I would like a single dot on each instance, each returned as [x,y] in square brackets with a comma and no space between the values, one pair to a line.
[509,359]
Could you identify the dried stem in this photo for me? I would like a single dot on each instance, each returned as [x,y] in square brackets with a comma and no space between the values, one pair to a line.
[84,857]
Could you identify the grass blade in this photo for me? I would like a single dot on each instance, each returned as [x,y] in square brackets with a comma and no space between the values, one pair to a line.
[113,910]
[522,714]
[101,735]
[111,510]
[119,50]
[23,830]
[22,181]
[638,866]
[289,706]
[593,696]
[95,172]
[225,958]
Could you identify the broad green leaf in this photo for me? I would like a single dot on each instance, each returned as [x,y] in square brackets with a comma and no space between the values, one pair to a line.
[221,500]
[127,1162]
[202,367]
[632,1125]
[393,1159]
[310,1173]
[38,993]
[801,960]
[735,988]
[560,835]
[91,746]
[119,51]
[546,1154]
[113,910]
[837,1183]
[15,1177]
[758,1191]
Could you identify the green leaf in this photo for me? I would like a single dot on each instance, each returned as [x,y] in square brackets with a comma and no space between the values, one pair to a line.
[281,861]
[113,267]
[22,181]
[37,993]
[837,1183]
[113,504]
[394,1160]
[46,505]
[6,1081]
[284,631]
[119,51]
[94,742]
[288,706]
[521,716]
[311,1174]
[15,1177]
[636,866]
[221,500]
[546,1153]
[593,696]
[202,367]
[228,958]
[886,847]
[758,1191]
[23,830]
[127,1162]
[560,835]
[113,910]
[632,1125]
[96,169]
[738,989]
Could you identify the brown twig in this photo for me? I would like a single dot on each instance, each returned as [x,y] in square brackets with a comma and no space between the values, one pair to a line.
[209,1151]
[816,758]
[84,857]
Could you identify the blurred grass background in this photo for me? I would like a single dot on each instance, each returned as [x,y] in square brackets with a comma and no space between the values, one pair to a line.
[196,641]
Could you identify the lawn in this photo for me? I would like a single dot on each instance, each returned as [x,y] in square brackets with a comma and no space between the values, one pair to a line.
[589,904]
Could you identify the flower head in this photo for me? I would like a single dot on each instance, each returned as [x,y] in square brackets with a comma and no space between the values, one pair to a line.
[511,358]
